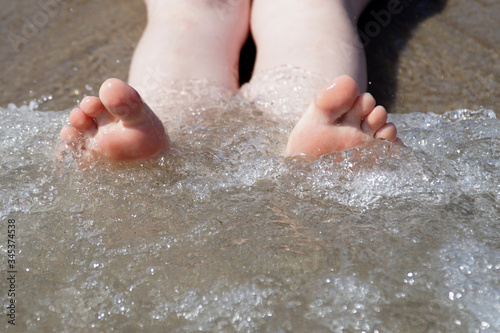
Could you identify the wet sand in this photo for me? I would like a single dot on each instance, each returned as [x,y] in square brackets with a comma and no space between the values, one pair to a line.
[433,56]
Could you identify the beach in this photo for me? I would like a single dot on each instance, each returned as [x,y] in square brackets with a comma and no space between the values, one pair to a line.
[223,234]
[431,56]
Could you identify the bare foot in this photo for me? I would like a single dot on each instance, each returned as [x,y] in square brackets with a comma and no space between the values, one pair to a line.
[117,125]
[339,119]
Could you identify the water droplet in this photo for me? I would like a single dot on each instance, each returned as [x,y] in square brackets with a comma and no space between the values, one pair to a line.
[485,324]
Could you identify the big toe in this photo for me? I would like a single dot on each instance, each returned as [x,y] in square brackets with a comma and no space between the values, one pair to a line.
[337,97]
[122,101]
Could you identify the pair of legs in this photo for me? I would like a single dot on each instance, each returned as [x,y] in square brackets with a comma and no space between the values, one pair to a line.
[202,39]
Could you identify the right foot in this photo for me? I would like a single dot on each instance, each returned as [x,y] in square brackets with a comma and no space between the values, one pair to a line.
[339,119]
[117,125]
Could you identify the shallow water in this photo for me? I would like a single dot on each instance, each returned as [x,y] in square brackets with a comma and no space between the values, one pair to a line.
[223,235]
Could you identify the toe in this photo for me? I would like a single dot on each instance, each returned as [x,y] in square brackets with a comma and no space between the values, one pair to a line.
[81,121]
[374,120]
[387,132]
[362,107]
[337,97]
[70,139]
[122,101]
[70,135]
[93,108]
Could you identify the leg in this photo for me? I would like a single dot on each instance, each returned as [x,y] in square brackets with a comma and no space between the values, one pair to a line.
[320,36]
[184,39]
[316,35]
[190,39]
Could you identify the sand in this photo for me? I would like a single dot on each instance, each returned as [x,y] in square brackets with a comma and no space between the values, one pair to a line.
[433,56]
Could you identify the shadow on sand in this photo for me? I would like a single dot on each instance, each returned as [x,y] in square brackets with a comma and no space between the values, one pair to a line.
[383,50]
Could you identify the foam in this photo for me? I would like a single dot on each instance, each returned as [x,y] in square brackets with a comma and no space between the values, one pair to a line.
[225,235]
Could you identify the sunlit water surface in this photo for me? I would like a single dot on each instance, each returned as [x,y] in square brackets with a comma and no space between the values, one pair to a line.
[223,235]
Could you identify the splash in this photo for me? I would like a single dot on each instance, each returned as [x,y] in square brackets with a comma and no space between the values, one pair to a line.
[225,235]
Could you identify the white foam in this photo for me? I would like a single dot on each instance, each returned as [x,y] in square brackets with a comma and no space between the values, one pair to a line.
[224,235]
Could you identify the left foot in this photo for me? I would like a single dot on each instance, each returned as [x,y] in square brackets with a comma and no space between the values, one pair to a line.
[339,119]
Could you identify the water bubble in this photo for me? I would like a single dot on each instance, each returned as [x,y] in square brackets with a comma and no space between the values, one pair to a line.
[485,325]
[158,244]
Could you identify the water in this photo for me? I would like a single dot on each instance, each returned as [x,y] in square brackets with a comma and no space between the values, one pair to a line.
[225,235]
